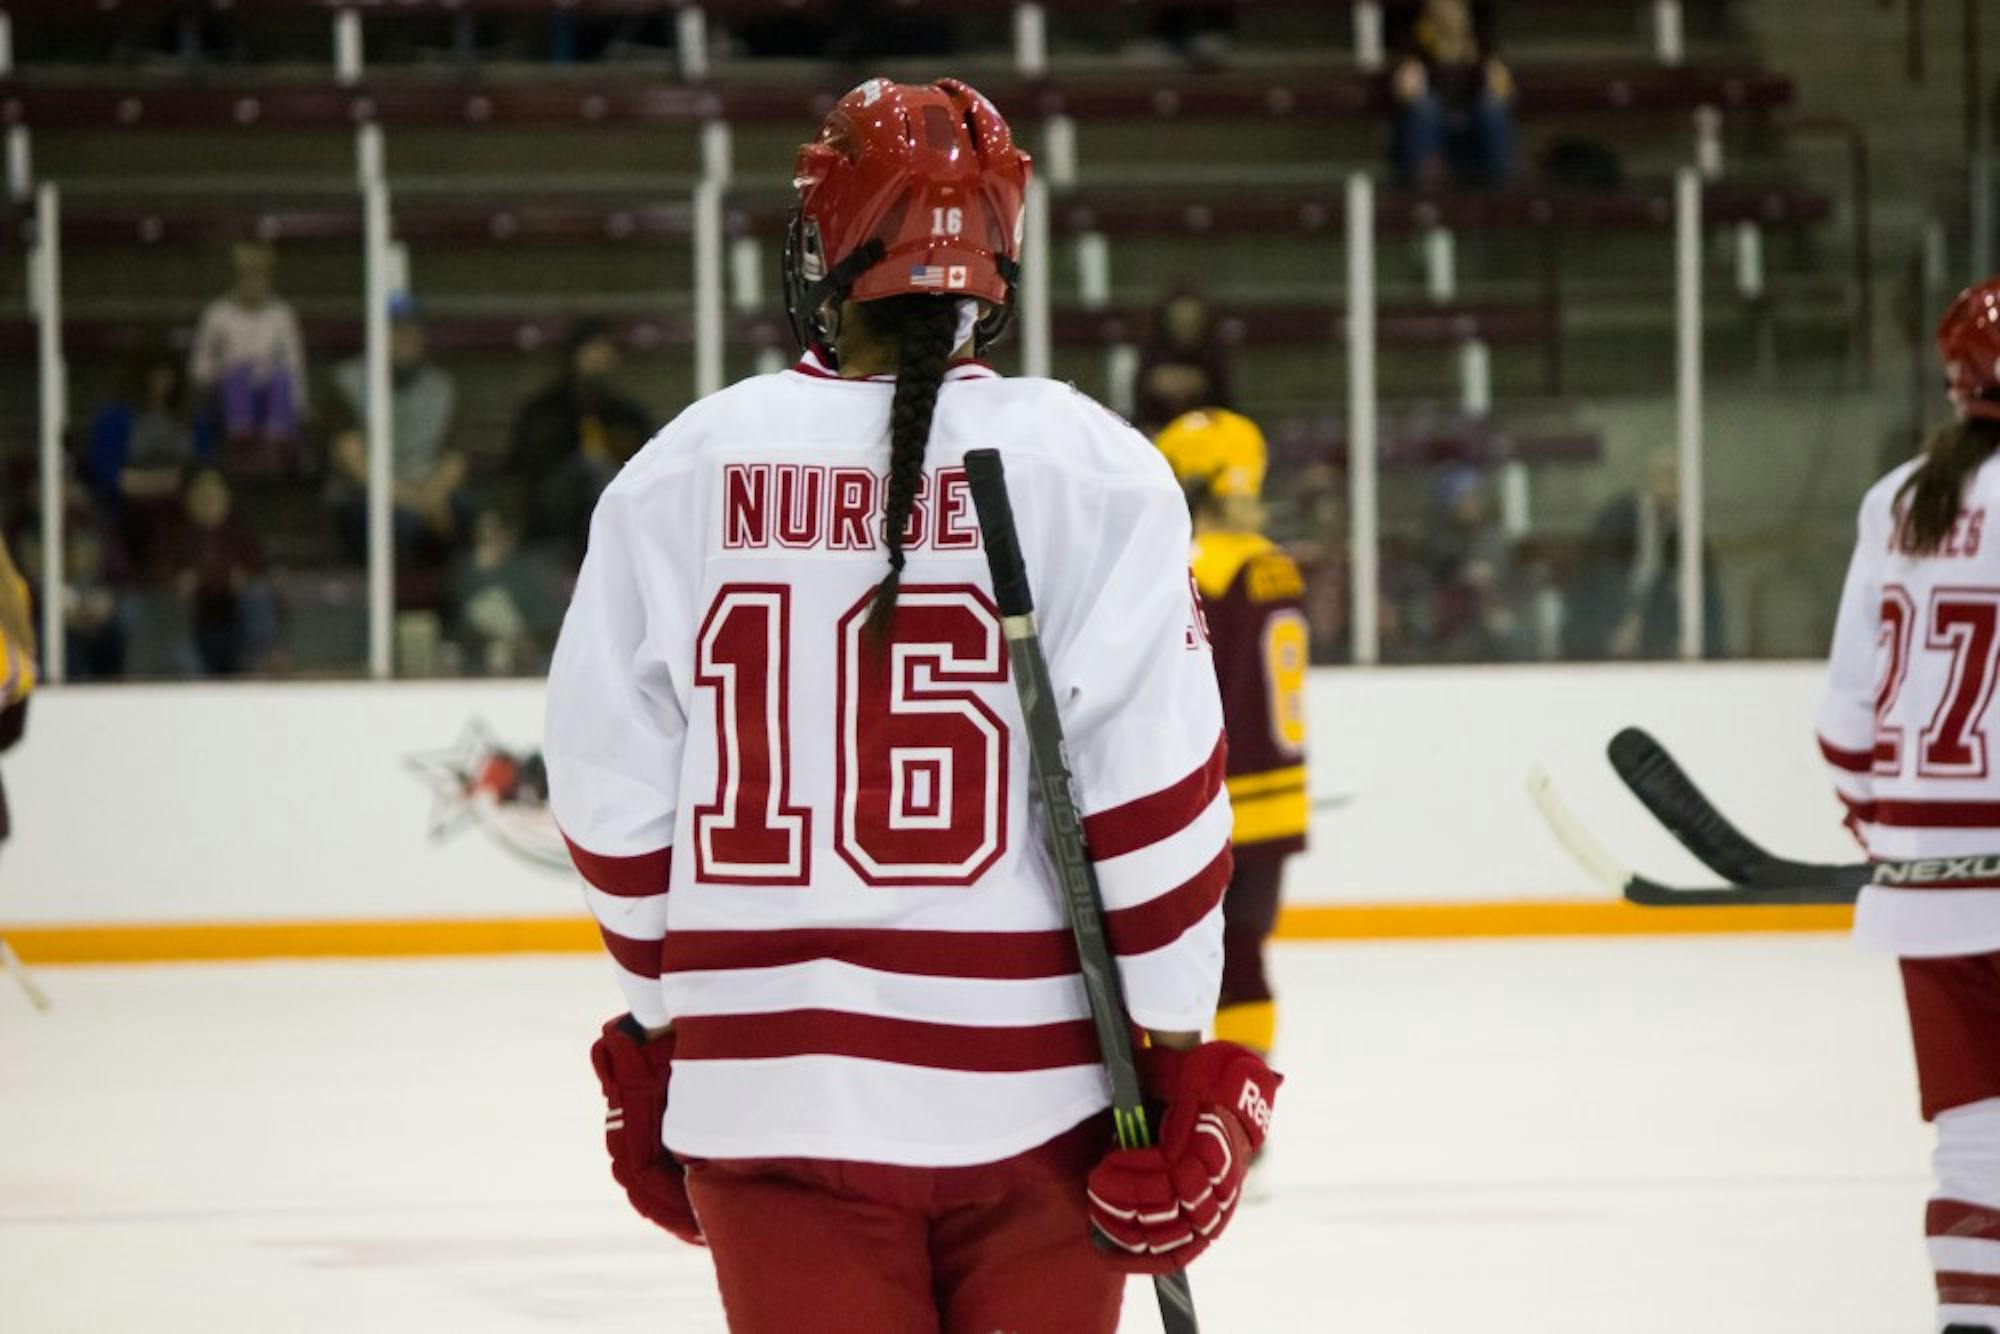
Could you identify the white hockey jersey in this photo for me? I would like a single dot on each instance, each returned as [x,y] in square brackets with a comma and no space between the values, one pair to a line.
[818,860]
[1904,722]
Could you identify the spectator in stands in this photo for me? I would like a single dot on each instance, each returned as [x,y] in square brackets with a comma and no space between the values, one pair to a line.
[1474,594]
[1319,543]
[249,358]
[506,607]
[141,444]
[428,471]
[1200,32]
[141,441]
[846,32]
[1453,100]
[570,439]
[96,617]
[1184,365]
[231,616]
[1623,601]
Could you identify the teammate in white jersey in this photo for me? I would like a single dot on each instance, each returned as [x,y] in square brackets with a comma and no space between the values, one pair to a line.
[798,792]
[1905,727]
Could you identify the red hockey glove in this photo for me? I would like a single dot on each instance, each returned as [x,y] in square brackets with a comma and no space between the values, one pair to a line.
[1158,1208]
[634,1072]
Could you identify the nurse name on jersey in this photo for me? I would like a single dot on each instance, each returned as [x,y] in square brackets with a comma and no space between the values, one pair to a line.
[1961,541]
[833,507]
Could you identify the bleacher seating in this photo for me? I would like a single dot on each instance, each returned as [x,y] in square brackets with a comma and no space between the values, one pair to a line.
[1113,211]
[529,193]
[1617,88]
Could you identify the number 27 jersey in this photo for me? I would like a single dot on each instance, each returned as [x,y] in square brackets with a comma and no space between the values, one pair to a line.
[816,856]
[1905,724]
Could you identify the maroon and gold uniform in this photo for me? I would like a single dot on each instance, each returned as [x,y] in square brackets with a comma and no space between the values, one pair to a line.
[17,665]
[1254,599]
[1256,620]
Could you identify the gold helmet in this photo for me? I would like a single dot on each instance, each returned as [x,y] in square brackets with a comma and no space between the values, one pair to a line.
[1224,449]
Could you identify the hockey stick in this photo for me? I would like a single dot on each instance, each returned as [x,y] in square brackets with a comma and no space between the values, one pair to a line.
[11,962]
[1664,788]
[1581,844]
[1082,901]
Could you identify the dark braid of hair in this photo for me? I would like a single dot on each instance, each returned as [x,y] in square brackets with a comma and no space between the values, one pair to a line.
[920,328]
[1928,505]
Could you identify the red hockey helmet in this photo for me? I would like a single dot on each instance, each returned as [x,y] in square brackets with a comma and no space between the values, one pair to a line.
[1968,339]
[907,189]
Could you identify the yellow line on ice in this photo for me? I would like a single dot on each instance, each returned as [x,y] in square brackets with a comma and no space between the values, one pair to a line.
[177,942]
[1317,921]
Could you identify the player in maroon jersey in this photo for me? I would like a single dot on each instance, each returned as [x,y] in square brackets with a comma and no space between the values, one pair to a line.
[17,679]
[1254,599]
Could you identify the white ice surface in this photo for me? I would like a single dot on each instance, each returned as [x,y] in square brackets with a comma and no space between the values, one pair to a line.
[1706,1136]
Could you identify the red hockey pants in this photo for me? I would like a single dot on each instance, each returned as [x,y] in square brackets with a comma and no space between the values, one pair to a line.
[862,1248]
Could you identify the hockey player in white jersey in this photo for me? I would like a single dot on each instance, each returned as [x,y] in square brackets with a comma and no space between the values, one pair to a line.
[858,1062]
[1905,727]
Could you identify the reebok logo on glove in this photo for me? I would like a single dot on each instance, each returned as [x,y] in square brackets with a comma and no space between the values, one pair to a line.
[1254,1107]
[1160,1207]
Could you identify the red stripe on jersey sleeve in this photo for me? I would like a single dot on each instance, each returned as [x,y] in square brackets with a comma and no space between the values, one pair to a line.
[1144,821]
[635,877]
[990,955]
[1968,1289]
[634,956]
[1927,814]
[1160,922]
[753,1037]
[1853,761]
[1956,1218]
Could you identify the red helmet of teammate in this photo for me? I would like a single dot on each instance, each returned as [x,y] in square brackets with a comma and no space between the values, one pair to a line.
[1968,339]
[908,189]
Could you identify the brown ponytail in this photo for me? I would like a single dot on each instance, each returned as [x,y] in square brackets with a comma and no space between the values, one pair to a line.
[921,329]
[1929,502]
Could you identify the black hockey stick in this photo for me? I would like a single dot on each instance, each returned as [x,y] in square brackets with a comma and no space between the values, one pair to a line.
[1592,856]
[1664,788]
[1974,871]
[1063,827]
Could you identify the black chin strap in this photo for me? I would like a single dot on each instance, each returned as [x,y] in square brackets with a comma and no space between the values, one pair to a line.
[838,282]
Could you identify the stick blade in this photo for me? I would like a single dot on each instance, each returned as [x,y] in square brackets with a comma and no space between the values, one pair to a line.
[1664,788]
[1577,841]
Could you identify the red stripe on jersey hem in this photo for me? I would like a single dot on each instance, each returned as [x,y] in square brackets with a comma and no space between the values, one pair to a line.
[1160,922]
[1926,814]
[989,955]
[634,956]
[1956,1289]
[636,877]
[1957,1218]
[1853,761]
[761,1037]
[1144,821]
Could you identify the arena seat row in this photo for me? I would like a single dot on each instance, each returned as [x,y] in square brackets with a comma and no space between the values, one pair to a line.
[1109,210]
[1597,88]
[722,9]
[1239,324]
